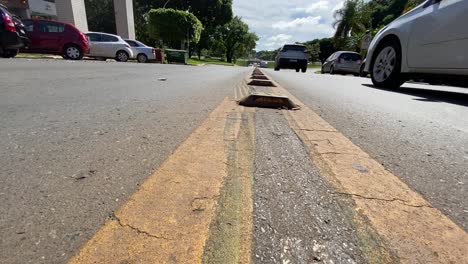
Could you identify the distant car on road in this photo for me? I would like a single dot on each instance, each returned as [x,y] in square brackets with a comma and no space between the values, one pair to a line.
[141,52]
[263,64]
[292,56]
[428,42]
[108,46]
[343,62]
[52,37]
[12,34]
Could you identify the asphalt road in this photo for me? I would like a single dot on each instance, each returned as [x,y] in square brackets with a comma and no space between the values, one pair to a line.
[77,138]
[418,132]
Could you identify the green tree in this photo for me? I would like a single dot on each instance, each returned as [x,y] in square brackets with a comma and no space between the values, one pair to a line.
[172,25]
[212,13]
[235,36]
[100,15]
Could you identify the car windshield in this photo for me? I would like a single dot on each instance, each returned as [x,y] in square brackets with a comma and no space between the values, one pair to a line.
[350,57]
[293,48]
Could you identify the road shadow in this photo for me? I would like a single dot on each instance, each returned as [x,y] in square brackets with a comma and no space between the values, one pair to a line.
[428,95]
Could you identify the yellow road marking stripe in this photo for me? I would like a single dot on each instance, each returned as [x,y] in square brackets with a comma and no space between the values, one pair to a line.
[167,220]
[416,231]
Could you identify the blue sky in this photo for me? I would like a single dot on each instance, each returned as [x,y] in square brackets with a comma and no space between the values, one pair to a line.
[277,22]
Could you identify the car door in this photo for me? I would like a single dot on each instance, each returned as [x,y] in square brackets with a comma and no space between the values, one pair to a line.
[110,46]
[329,61]
[49,35]
[439,36]
[95,49]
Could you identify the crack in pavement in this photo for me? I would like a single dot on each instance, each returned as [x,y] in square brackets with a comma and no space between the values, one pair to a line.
[139,231]
[317,130]
[383,199]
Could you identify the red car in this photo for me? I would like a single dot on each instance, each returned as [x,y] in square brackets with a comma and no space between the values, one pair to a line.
[52,37]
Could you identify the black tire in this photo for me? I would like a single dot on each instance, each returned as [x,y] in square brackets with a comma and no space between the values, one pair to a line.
[142,58]
[297,69]
[9,53]
[394,79]
[332,70]
[304,69]
[322,71]
[72,52]
[122,56]
[277,69]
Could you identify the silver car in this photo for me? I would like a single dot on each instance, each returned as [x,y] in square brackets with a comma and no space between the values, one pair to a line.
[343,62]
[107,46]
[141,52]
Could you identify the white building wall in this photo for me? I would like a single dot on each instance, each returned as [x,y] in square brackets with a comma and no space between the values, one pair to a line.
[124,18]
[72,11]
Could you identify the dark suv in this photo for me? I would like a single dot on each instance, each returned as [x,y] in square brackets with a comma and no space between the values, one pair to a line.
[12,33]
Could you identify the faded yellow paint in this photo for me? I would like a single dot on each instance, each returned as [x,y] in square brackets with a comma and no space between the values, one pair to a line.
[416,231]
[167,220]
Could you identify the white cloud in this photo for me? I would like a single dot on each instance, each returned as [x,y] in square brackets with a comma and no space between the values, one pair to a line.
[277,41]
[298,22]
[318,6]
[302,20]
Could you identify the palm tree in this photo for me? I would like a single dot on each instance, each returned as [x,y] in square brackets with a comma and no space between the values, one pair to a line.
[349,19]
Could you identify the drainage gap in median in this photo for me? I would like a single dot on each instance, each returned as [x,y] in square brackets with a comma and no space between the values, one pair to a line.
[268,101]
[259,77]
[257,82]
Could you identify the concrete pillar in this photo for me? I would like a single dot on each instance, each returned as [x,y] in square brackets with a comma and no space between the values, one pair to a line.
[72,11]
[124,18]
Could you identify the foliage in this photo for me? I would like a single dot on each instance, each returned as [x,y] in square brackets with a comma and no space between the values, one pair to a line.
[169,24]
[352,18]
[101,17]
[212,13]
[235,39]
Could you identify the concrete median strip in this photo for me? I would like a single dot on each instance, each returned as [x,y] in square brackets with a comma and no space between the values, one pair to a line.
[410,226]
[168,219]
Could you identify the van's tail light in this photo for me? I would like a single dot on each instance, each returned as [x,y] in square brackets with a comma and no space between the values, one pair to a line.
[154,52]
[9,24]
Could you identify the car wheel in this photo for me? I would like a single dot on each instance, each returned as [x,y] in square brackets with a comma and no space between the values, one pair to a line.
[72,52]
[386,66]
[322,71]
[304,69]
[9,53]
[277,69]
[142,58]
[332,70]
[122,56]
[297,69]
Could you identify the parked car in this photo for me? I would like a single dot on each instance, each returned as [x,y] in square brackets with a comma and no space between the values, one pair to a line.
[53,37]
[108,46]
[12,34]
[292,56]
[141,52]
[429,41]
[343,62]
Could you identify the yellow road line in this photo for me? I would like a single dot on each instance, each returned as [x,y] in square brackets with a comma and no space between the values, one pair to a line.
[167,220]
[412,228]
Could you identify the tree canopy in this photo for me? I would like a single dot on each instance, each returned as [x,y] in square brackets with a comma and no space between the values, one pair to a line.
[235,38]
[169,24]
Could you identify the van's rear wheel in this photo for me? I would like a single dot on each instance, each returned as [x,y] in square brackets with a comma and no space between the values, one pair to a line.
[386,66]
[297,69]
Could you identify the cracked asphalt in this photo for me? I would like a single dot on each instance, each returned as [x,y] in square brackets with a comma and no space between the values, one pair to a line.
[297,219]
[418,132]
[78,138]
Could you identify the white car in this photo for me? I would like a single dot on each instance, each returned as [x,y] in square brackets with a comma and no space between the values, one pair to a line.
[430,41]
[141,52]
[108,46]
